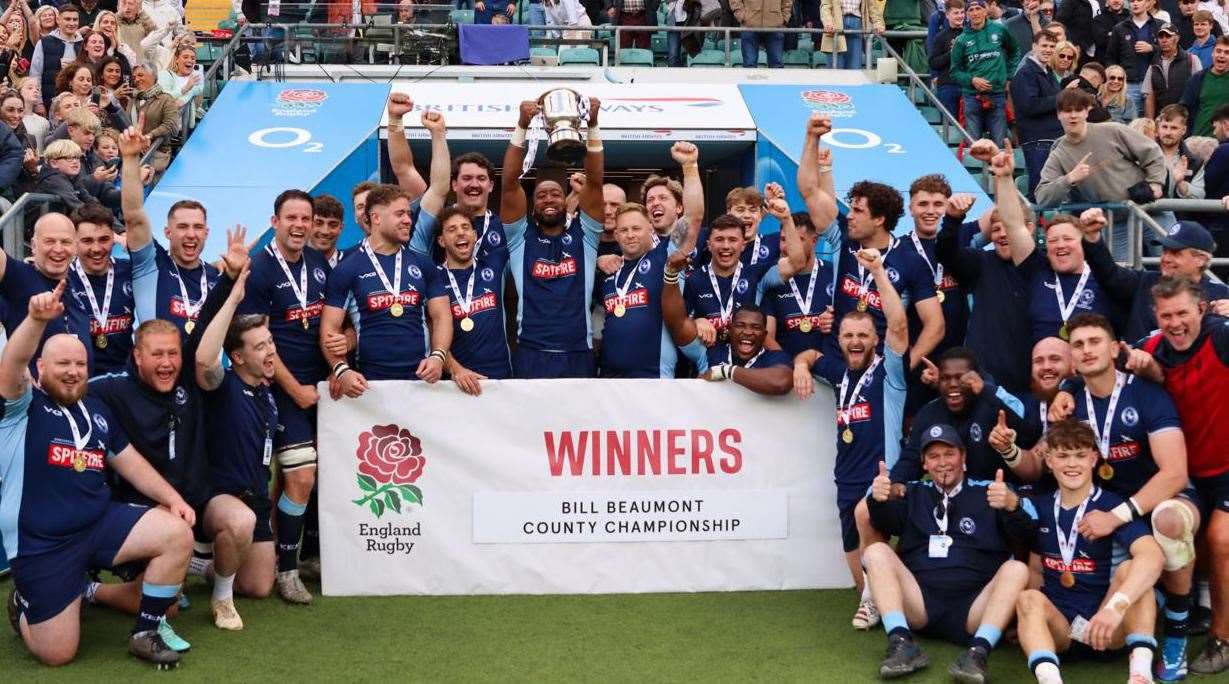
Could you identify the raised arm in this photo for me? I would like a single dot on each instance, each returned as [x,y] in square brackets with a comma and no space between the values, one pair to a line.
[132,193]
[688,157]
[441,164]
[595,167]
[815,177]
[673,309]
[209,369]
[399,155]
[512,202]
[893,309]
[15,363]
[1007,202]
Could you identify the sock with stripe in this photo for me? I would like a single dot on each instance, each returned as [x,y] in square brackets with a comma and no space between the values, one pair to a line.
[987,637]
[1142,648]
[155,600]
[895,623]
[1177,614]
[1044,665]
[289,531]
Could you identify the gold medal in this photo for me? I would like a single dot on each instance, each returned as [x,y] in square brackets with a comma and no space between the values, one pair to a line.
[620,311]
[396,309]
[1063,333]
[1067,579]
[100,341]
[862,305]
[942,297]
[805,325]
[1106,471]
[79,461]
[467,324]
[306,323]
[189,327]
[847,436]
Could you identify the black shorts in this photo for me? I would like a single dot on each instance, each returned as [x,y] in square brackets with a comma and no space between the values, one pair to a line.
[947,613]
[847,498]
[263,508]
[1213,494]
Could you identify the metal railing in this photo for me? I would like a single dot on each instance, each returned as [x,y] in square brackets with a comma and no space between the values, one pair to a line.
[13,222]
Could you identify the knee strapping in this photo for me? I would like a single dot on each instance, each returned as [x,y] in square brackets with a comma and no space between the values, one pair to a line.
[1180,551]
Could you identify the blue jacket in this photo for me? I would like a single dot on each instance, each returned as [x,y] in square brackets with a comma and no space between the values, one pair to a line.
[1033,94]
[1216,185]
[12,152]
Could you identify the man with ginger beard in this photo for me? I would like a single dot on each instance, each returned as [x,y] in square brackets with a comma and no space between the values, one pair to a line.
[54,245]
[1050,366]
[104,284]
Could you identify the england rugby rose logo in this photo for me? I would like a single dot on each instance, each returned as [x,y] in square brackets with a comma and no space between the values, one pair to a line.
[390,460]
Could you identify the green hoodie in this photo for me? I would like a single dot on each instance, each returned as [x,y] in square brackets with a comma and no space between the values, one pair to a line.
[990,53]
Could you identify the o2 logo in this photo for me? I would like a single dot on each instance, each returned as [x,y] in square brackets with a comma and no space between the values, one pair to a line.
[285,137]
[859,139]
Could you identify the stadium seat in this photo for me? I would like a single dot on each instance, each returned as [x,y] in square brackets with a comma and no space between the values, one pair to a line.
[970,163]
[819,59]
[580,55]
[709,43]
[806,44]
[1022,184]
[797,59]
[635,57]
[736,46]
[461,16]
[931,114]
[1018,156]
[707,58]
[657,42]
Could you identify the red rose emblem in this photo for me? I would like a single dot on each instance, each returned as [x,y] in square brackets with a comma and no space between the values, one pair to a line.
[389,453]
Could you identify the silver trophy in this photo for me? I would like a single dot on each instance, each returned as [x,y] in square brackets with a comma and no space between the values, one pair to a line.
[562,116]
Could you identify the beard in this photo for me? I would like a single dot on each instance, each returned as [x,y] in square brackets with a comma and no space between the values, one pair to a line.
[62,394]
[542,221]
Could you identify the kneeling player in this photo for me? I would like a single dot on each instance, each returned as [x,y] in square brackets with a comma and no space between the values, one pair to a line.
[58,517]
[954,577]
[1081,597]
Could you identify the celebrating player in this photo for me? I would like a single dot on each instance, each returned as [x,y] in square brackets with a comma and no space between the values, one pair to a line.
[106,286]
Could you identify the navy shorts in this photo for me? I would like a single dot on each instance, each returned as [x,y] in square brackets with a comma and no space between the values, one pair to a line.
[49,582]
[947,612]
[1213,494]
[296,426]
[847,498]
[263,508]
[530,363]
[1072,603]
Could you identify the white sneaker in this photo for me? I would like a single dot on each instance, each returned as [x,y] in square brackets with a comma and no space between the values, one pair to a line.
[867,615]
[225,616]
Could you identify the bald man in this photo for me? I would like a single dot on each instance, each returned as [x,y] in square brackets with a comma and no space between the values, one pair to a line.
[56,447]
[54,246]
[1050,365]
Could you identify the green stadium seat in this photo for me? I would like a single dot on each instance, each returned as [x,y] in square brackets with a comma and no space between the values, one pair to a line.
[819,59]
[797,59]
[1018,156]
[461,16]
[931,114]
[1022,184]
[735,46]
[707,58]
[970,163]
[709,44]
[635,57]
[580,55]
[658,44]
[805,43]
[762,61]
[543,52]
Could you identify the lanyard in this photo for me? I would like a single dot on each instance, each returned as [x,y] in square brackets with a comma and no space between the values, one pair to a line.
[729,356]
[724,309]
[78,441]
[1066,543]
[622,291]
[805,304]
[486,225]
[170,447]
[299,288]
[335,258]
[864,278]
[936,272]
[100,313]
[394,288]
[941,520]
[467,301]
[1045,416]
[843,414]
[755,249]
[1066,308]
[189,308]
[1103,434]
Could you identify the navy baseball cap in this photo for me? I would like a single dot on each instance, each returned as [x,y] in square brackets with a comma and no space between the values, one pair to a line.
[942,433]
[1188,234]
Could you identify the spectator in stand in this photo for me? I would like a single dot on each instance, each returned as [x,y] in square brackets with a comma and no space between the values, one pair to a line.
[1113,12]
[184,81]
[1208,90]
[12,136]
[158,110]
[1034,93]
[19,20]
[634,13]
[1216,179]
[1026,24]
[54,51]
[1078,16]
[940,53]
[485,10]
[1113,96]
[17,47]
[164,12]
[1144,126]
[1058,29]
[1184,21]
[112,81]
[45,20]
[983,57]
[1131,44]
[567,14]
[1185,169]
[107,24]
[851,16]
[1066,60]
[762,14]
[61,176]
[96,47]
[1204,32]
[1090,80]
[1170,71]
[36,125]
[136,29]
[76,78]
[89,11]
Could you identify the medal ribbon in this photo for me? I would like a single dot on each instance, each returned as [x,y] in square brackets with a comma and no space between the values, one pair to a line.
[622,291]
[394,287]
[300,288]
[468,300]
[724,309]
[805,304]
[865,279]
[936,272]
[190,308]
[101,314]
[1065,308]
[78,441]
[844,407]
[729,356]
[1103,434]
[755,249]
[1066,543]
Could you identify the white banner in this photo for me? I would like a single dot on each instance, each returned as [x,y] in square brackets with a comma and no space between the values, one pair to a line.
[576,486]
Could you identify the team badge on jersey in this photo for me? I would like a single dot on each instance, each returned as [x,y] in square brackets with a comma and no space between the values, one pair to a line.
[493,238]
[488,274]
[893,275]
[318,274]
[181,395]
[101,423]
[1130,416]
[975,432]
[415,271]
[968,526]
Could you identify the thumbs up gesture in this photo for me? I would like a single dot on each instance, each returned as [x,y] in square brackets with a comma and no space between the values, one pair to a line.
[1002,437]
[881,488]
[999,495]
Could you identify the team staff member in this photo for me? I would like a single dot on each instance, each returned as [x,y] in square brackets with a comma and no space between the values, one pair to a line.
[870,394]
[553,261]
[54,247]
[800,306]
[1082,597]
[328,218]
[1191,357]
[874,209]
[396,293]
[105,284]
[287,285]
[1143,461]
[718,289]
[1186,252]
[58,519]
[953,577]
